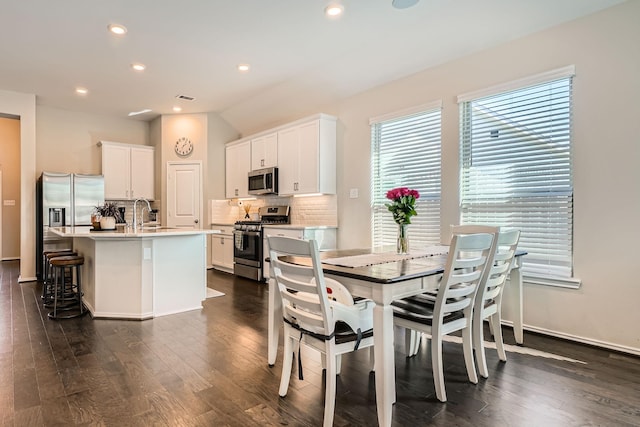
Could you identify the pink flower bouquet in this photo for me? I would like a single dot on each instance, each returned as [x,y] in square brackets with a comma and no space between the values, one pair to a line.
[403,204]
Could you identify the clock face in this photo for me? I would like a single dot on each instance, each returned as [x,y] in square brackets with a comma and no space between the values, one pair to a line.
[184,146]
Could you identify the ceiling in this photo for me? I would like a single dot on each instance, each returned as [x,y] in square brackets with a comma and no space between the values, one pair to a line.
[193,47]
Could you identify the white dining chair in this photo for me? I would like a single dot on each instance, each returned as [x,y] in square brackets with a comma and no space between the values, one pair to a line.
[317,312]
[413,338]
[470,257]
[488,304]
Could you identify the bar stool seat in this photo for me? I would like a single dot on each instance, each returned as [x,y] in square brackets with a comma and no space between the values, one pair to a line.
[46,279]
[67,295]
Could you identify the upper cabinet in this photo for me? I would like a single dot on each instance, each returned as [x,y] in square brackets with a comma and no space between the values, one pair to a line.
[237,168]
[307,157]
[264,151]
[304,152]
[128,171]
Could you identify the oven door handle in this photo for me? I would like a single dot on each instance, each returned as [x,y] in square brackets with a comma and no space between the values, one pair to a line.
[247,233]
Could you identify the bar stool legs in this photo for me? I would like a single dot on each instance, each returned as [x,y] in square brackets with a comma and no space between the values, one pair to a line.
[46,278]
[67,295]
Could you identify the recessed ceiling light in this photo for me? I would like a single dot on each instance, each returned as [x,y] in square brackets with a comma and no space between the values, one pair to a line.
[117,29]
[403,4]
[135,113]
[82,90]
[334,10]
[138,67]
[177,109]
[243,67]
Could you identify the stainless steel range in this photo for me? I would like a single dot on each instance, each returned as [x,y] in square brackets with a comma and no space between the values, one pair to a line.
[247,237]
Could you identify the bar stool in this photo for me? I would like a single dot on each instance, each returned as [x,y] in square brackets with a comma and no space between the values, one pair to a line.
[46,276]
[67,296]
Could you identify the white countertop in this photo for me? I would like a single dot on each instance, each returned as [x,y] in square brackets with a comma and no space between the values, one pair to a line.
[124,232]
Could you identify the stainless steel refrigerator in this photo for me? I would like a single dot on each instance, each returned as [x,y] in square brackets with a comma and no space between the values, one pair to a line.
[63,200]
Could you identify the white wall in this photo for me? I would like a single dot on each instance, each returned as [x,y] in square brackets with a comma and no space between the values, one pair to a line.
[24,106]
[606,141]
[67,141]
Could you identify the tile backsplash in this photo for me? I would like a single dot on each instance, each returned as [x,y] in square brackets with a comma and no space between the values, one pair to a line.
[128,213]
[308,211]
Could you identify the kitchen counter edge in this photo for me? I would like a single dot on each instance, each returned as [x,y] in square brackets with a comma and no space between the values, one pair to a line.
[122,232]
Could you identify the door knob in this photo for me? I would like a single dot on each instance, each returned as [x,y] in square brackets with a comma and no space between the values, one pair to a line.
[196,221]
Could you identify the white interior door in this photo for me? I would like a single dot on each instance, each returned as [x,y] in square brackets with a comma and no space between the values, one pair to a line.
[184,194]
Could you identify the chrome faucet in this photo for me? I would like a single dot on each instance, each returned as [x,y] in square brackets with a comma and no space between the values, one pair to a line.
[135,216]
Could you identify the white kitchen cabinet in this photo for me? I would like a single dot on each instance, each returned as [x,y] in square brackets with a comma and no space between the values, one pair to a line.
[222,248]
[237,168]
[307,157]
[264,151]
[325,236]
[128,171]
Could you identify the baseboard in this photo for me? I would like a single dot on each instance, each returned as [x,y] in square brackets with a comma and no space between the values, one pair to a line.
[582,340]
[26,279]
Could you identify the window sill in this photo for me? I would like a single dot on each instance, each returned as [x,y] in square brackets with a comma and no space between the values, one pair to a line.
[569,283]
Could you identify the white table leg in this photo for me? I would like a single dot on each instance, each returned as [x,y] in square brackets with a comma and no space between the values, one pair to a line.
[516,288]
[274,316]
[384,363]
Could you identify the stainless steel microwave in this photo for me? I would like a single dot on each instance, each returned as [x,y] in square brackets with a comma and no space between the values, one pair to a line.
[263,181]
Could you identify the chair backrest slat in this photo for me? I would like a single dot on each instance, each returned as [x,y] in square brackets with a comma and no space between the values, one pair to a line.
[296,268]
[470,254]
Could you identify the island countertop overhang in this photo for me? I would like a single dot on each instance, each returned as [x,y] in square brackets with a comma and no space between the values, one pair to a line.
[124,232]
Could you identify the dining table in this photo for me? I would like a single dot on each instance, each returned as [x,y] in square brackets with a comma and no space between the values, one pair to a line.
[384,276]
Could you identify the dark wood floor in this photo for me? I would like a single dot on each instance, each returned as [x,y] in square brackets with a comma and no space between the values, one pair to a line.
[208,368]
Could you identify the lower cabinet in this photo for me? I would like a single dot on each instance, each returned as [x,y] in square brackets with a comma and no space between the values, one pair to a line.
[222,248]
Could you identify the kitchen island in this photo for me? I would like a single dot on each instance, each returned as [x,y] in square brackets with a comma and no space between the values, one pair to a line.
[140,274]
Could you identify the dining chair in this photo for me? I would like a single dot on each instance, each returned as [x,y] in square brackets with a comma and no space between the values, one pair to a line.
[488,304]
[470,257]
[317,312]
[413,338]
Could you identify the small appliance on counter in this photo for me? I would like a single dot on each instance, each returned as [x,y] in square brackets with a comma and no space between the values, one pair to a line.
[247,241]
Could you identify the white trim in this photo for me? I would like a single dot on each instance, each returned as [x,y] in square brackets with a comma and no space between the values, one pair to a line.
[582,340]
[547,76]
[433,105]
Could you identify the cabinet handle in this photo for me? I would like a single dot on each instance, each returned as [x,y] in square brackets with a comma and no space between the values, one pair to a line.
[261,162]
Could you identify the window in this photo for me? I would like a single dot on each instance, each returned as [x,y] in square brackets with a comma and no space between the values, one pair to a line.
[516,169]
[406,153]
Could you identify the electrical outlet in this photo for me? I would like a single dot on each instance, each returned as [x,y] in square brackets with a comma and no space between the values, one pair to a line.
[353,193]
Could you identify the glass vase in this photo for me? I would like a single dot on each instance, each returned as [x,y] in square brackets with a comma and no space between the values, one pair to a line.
[402,246]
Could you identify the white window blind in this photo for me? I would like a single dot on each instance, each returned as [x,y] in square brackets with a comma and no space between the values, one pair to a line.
[516,171]
[406,152]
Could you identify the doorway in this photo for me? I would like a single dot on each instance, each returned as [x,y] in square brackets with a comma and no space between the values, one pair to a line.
[184,194]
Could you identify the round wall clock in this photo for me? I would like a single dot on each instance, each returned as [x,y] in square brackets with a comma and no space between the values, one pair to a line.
[183,146]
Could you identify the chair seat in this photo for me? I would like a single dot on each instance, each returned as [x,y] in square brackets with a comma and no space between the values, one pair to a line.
[67,260]
[342,333]
[416,310]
